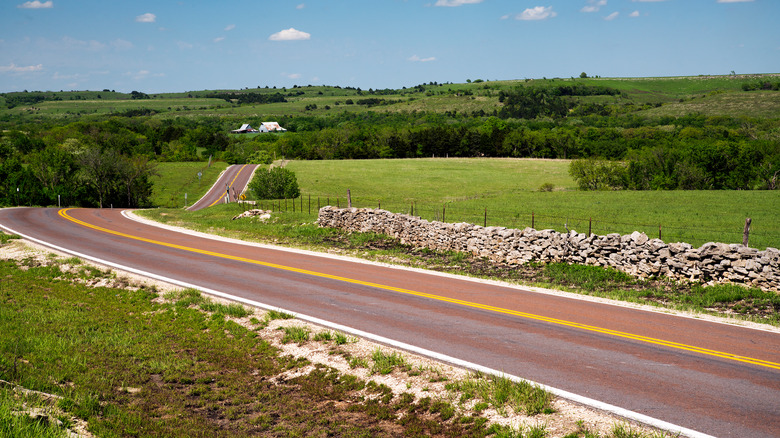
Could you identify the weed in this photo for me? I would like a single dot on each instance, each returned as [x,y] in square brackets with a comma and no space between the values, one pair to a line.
[357,362]
[384,363]
[341,339]
[325,336]
[4,238]
[295,334]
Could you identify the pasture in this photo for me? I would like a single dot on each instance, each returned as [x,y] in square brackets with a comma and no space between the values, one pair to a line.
[508,193]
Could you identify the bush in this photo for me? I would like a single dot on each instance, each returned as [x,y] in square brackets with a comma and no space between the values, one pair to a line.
[275,183]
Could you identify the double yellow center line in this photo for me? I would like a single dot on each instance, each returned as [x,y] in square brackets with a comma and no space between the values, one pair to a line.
[561,322]
[229,185]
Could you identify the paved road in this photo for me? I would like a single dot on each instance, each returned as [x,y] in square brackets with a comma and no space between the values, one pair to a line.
[230,185]
[714,378]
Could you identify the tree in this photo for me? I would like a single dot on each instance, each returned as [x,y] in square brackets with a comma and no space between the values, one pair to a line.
[592,174]
[275,183]
[98,171]
[133,173]
[583,75]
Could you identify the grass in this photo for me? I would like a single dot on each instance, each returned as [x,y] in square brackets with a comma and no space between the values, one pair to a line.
[502,393]
[132,365]
[709,95]
[15,424]
[504,192]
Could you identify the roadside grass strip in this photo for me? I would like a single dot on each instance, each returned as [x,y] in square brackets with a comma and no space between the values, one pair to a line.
[130,364]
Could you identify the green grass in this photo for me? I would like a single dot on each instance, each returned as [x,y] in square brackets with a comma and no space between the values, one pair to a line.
[710,95]
[132,365]
[506,192]
[16,421]
[502,393]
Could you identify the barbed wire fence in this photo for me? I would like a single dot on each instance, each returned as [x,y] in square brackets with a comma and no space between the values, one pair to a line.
[761,235]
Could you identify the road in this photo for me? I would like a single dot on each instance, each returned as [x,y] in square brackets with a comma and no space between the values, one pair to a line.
[717,379]
[229,186]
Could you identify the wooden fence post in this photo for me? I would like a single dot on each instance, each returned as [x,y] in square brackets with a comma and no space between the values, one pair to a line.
[484,224]
[533,220]
[590,226]
[349,199]
[659,232]
[746,232]
[443,213]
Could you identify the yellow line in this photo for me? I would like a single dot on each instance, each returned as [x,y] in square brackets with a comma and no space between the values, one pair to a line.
[230,185]
[561,322]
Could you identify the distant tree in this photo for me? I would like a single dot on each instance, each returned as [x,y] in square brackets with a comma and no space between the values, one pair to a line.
[275,183]
[592,174]
[583,75]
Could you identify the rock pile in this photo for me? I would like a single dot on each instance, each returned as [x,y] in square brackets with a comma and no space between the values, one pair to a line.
[259,214]
[635,253]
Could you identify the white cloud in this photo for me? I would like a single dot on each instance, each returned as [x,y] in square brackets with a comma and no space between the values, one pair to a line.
[634,14]
[36,5]
[612,16]
[537,13]
[146,18]
[72,43]
[293,76]
[230,27]
[455,3]
[183,45]
[415,58]
[219,39]
[13,68]
[290,34]
[144,74]
[300,6]
[721,1]
[120,44]
[648,1]
[593,5]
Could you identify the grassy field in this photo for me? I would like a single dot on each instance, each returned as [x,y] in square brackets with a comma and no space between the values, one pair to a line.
[709,95]
[462,190]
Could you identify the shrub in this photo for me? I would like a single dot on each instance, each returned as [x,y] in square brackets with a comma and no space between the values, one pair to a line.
[275,183]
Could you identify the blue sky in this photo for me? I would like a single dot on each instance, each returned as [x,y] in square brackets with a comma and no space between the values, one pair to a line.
[169,46]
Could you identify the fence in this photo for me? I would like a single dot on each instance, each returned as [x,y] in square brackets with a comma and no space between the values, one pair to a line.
[761,235]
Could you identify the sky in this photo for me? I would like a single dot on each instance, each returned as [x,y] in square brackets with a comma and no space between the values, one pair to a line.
[157,46]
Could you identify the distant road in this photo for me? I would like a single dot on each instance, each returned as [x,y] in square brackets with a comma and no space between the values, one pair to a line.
[719,379]
[229,186]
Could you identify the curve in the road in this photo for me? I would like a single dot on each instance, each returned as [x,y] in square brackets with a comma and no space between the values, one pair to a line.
[235,178]
[632,336]
[706,392]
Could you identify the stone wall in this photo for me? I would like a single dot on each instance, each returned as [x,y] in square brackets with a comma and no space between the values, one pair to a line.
[634,254]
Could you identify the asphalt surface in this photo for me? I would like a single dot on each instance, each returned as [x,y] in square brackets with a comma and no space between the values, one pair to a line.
[718,379]
[228,188]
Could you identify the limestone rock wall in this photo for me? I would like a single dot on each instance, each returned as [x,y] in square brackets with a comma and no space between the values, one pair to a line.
[634,253]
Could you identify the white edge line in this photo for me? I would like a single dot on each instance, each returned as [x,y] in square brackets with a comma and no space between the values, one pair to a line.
[212,187]
[625,413]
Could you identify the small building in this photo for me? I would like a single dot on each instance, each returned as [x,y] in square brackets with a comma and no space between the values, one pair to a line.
[264,127]
[272,127]
[245,128]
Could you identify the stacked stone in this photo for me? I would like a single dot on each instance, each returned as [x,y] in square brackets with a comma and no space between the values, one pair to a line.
[634,254]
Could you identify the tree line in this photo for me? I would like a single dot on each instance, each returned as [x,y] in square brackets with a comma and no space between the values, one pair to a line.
[50,157]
